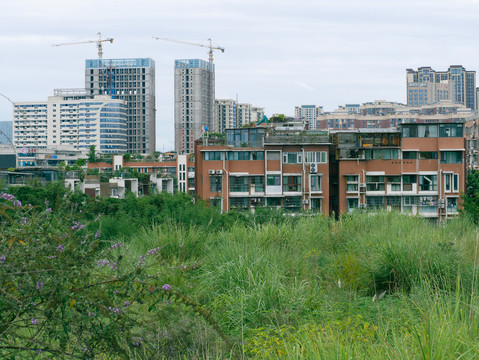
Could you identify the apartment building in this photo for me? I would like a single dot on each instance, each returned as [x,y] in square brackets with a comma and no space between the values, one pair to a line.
[71,119]
[179,167]
[427,86]
[230,114]
[382,114]
[417,169]
[251,169]
[194,102]
[131,80]
[308,114]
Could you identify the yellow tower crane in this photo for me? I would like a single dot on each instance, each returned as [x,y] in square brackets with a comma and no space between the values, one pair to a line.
[98,44]
[210,46]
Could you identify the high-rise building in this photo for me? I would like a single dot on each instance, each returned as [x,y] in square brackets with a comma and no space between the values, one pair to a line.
[71,119]
[6,136]
[230,114]
[132,80]
[194,101]
[427,86]
[308,114]
[225,115]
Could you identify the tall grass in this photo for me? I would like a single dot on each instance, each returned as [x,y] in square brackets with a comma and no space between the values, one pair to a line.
[382,286]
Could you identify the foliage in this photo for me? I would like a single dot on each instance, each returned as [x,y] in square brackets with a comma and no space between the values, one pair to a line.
[471,197]
[92,154]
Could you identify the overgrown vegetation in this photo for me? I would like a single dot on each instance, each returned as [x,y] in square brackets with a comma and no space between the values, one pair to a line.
[163,277]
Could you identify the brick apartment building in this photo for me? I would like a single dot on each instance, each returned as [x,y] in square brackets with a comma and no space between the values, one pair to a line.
[417,169]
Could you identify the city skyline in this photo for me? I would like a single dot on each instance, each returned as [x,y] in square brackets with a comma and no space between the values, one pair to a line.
[276,56]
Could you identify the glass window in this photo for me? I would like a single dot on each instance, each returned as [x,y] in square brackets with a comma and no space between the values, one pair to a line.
[375,183]
[428,182]
[291,183]
[352,204]
[451,157]
[450,130]
[258,183]
[427,130]
[316,183]
[273,155]
[427,155]
[273,180]
[408,155]
[455,183]
[447,182]
[215,183]
[395,182]
[352,183]
[273,201]
[292,203]
[452,204]
[408,181]
[409,131]
[375,202]
[292,157]
[239,184]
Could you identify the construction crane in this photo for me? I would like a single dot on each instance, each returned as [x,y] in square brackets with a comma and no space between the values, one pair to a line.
[210,46]
[98,44]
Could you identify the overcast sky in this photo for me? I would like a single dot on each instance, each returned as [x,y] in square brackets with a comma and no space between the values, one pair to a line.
[278,53]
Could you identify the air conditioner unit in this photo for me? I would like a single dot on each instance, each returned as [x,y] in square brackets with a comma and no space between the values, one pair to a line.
[219,172]
[362,185]
[211,172]
[305,201]
[361,157]
[313,168]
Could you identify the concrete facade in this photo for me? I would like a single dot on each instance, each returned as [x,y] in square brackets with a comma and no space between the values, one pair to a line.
[194,102]
[131,80]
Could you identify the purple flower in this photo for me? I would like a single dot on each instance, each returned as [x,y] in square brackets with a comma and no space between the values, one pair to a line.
[137,341]
[153,251]
[52,256]
[126,304]
[60,248]
[98,234]
[166,287]
[2,259]
[39,285]
[49,210]
[17,203]
[90,314]
[34,321]
[97,218]
[23,221]
[77,225]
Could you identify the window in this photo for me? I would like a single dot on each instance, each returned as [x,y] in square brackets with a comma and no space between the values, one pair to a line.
[316,157]
[452,203]
[427,155]
[427,182]
[394,202]
[316,183]
[447,182]
[291,183]
[316,204]
[451,157]
[352,204]
[272,155]
[409,131]
[408,181]
[394,182]
[455,183]
[239,203]
[215,183]
[214,155]
[427,131]
[292,203]
[292,158]
[375,202]
[450,130]
[273,180]
[352,183]
[375,183]
[273,201]
[258,183]
[239,184]
[408,155]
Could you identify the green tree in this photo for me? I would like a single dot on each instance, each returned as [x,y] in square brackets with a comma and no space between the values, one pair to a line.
[92,154]
[471,197]
[127,157]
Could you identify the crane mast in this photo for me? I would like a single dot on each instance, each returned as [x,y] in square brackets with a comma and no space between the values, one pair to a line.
[98,44]
[210,46]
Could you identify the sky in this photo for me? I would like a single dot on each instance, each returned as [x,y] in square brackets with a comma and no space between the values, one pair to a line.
[278,53]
